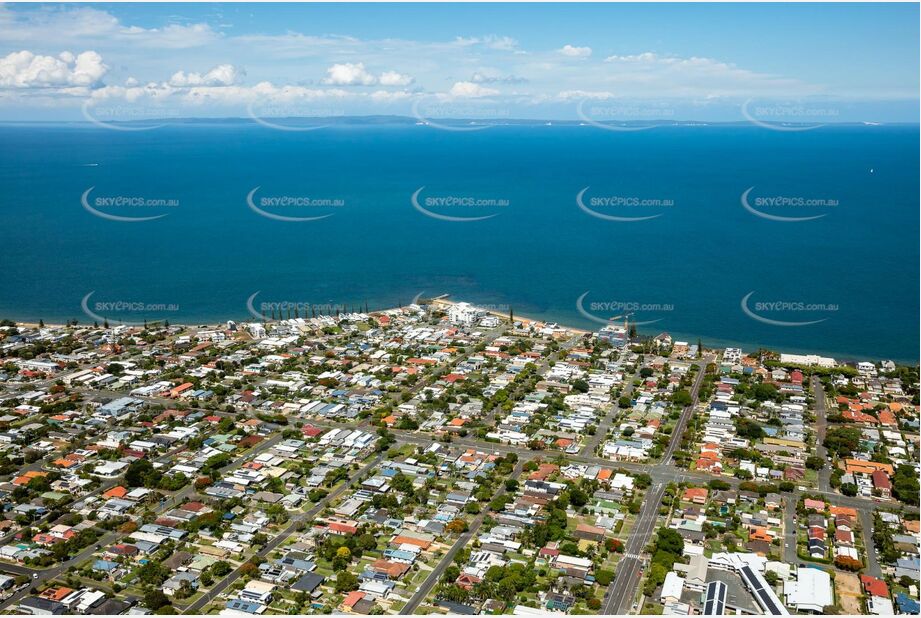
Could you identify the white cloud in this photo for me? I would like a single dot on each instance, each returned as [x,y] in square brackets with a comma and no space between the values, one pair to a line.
[349,74]
[470,90]
[392,78]
[493,77]
[70,24]
[498,43]
[263,93]
[333,66]
[576,95]
[221,75]
[355,74]
[644,57]
[24,69]
[389,96]
[575,52]
[650,74]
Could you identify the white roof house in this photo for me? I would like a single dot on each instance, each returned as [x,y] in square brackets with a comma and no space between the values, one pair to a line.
[811,591]
[672,587]
[110,469]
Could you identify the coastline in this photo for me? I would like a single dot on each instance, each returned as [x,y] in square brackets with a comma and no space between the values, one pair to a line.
[443,301]
[525,320]
[439,301]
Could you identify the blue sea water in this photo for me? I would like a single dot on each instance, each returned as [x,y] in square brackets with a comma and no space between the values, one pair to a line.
[537,255]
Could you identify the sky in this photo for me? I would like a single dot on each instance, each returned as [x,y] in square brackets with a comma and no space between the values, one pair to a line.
[591,62]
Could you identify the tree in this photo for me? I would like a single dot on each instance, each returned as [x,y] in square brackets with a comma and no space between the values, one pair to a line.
[153,574]
[346,582]
[577,497]
[221,568]
[642,480]
[849,489]
[842,441]
[814,462]
[137,472]
[669,541]
[905,485]
[604,577]
[367,542]
[748,428]
[764,392]
[682,398]
[155,599]
[456,526]
[451,574]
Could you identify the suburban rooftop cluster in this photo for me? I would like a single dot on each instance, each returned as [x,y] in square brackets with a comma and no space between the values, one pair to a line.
[444,458]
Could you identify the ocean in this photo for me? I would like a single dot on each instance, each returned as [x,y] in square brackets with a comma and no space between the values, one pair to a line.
[801,241]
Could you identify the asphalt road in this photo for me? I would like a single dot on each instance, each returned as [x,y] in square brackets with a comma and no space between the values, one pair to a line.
[280,538]
[685,414]
[866,522]
[821,423]
[45,575]
[790,530]
[448,558]
[602,431]
[621,592]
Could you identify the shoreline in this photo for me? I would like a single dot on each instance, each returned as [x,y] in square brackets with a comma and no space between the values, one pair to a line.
[525,320]
[444,301]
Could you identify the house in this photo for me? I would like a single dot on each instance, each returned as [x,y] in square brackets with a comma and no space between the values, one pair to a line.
[377,589]
[671,589]
[810,592]
[906,604]
[178,581]
[697,495]
[589,533]
[350,600]
[813,505]
[309,583]
[38,606]
[882,483]
[877,593]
